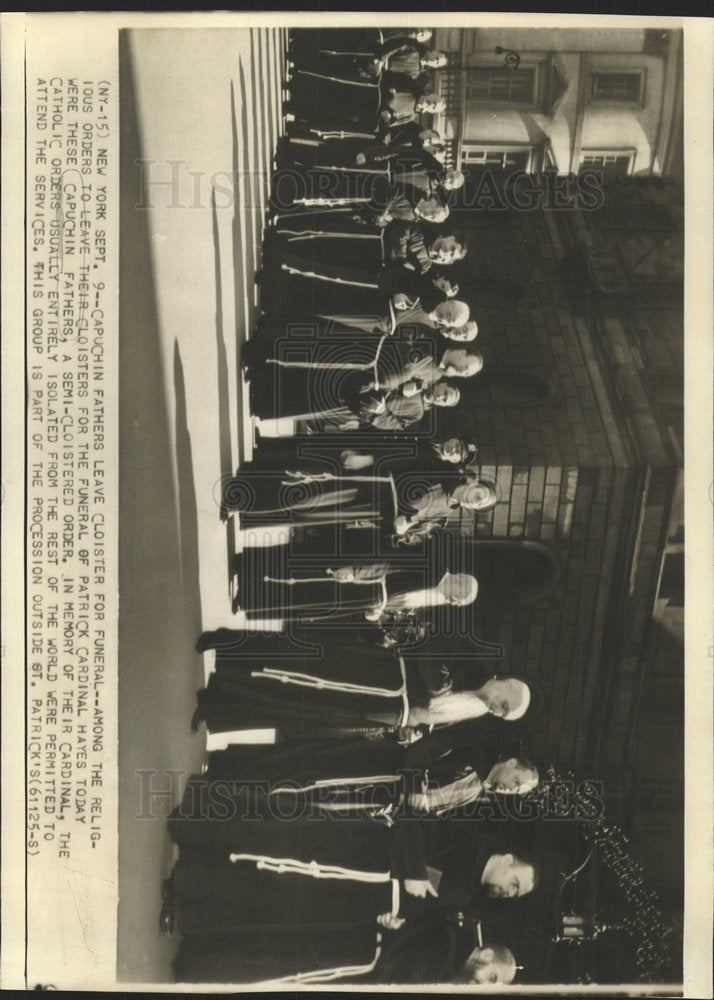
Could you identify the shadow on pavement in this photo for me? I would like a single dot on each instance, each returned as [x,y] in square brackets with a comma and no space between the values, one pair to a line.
[160,615]
[224,409]
[224,424]
[187,507]
[239,286]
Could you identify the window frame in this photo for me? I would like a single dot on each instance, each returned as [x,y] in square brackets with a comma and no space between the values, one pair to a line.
[611,102]
[532,103]
[502,148]
[628,151]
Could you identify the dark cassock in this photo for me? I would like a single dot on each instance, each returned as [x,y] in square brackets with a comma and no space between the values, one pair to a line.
[314,485]
[284,583]
[306,763]
[275,791]
[295,925]
[264,486]
[353,153]
[356,66]
[402,133]
[388,411]
[297,287]
[265,914]
[418,174]
[285,877]
[326,238]
[359,778]
[329,185]
[392,200]
[418,81]
[338,244]
[285,865]
[350,690]
[308,486]
[436,950]
[457,850]
[335,104]
[401,57]
[306,46]
[358,773]
[297,643]
[369,194]
[323,369]
[433,951]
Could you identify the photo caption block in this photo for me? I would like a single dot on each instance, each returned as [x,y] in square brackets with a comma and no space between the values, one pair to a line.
[72,158]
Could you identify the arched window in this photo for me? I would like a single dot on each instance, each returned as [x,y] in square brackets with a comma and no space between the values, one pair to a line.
[509,387]
[513,573]
[501,388]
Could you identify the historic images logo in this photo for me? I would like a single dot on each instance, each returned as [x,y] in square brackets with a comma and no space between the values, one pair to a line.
[380,798]
[171,184]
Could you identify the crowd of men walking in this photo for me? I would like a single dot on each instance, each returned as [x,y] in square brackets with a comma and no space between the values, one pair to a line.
[355,847]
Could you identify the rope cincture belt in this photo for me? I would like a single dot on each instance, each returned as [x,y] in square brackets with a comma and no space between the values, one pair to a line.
[335,79]
[331,782]
[313,869]
[325,277]
[290,581]
[341,788]
[340,134]
[385,171]
[317,976]
[355,366]
[347,606]
[319,683]
[295,235]
[301,477]
[332,201]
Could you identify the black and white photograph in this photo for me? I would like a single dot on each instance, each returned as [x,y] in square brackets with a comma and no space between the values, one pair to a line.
[402,546]
[398,522]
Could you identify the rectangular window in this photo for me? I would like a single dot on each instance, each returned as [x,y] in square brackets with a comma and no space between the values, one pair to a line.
[488,158]
[489,85]
[616,88]
[616,163]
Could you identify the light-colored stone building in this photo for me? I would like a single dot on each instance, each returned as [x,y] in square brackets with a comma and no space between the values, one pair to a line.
[557,99]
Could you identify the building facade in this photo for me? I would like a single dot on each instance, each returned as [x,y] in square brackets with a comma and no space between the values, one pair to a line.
[578,416]
[566,100]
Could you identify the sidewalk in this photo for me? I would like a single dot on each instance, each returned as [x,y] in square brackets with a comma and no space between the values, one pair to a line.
[201,114]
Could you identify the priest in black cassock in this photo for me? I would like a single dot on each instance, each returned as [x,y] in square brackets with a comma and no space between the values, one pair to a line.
[317,483]
[337,103]
[272,883]
[275,583]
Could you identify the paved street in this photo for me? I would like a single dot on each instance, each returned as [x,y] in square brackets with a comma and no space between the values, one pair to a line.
[200,118]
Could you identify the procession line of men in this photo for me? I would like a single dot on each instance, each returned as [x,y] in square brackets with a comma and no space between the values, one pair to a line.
[350,849]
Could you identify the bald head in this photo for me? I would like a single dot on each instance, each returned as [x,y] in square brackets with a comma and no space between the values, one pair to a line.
[453,313]
[506,697]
